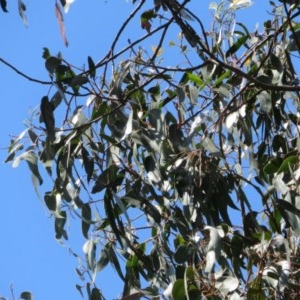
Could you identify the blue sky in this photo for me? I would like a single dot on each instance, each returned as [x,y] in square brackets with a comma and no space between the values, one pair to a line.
[30,258]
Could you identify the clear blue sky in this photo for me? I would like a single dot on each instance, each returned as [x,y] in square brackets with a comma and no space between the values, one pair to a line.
[30,258]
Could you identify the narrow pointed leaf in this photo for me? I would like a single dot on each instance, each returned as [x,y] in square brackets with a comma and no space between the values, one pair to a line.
[61,24]
[22,9]
[237,45]
[88,163]
[86,214]
[48,117]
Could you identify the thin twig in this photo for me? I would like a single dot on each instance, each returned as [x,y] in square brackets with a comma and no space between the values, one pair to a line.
[23,74]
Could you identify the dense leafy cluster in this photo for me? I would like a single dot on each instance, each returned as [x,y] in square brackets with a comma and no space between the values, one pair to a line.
[184,171]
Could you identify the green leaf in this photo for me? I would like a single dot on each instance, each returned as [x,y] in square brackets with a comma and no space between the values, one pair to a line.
[132,261]
[287,163]
[244,27]
[195,79]
[178,291]
[237,45]
[272,166]
[96,294]
[223,76]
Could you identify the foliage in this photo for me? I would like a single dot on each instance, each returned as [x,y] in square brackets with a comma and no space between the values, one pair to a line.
[183,164]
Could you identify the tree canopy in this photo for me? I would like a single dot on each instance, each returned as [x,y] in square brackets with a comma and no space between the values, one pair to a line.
[182,165]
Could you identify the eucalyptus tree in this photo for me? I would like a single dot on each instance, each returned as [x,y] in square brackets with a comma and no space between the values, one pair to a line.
[183,164]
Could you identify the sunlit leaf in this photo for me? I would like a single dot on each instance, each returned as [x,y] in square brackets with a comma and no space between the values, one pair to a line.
[129,126]
[66,4]
[89,248]
[208,145]
[32,161]
[226,284]
[240,4]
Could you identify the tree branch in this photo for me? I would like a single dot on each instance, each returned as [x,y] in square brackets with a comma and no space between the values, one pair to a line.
[23,74]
